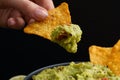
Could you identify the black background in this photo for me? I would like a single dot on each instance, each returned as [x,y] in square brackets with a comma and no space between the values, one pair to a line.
[21,53]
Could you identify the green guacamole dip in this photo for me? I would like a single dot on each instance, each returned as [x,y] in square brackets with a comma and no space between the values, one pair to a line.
[77,71]
[67,36]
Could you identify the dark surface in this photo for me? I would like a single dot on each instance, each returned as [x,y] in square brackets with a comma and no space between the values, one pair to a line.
[22,53]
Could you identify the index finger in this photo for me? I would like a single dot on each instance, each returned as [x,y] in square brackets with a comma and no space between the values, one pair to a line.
[47,4]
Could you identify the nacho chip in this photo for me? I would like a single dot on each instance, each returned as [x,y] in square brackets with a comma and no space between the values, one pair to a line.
[99,55]
[108,56]
[114,59]
[57,16]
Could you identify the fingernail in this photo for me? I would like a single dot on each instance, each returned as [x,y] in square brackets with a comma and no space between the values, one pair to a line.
[40,14]
[31,21]
[11,22]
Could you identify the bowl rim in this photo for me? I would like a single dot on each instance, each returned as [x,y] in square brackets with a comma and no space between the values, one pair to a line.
[29,76]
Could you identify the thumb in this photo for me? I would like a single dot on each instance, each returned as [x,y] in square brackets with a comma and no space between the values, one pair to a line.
[30,9]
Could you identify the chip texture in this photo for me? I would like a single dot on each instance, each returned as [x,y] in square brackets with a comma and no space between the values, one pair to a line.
[99,55]
[108,56]
[114,59]
[57,16]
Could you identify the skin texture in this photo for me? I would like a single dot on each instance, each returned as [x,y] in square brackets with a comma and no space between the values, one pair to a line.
[16,13]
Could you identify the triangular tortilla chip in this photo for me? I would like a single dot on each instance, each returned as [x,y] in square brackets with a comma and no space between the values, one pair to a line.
[108,56]
[99,55]
[57,16]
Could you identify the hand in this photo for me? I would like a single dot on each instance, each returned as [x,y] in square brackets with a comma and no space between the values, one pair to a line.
[16,13]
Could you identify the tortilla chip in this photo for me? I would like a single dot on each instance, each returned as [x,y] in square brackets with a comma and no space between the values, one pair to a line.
[108,56]
[114,59]
[99,55]
[57,16]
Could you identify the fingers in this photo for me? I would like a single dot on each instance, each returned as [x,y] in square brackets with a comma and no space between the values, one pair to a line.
[16,23]
[47,4]
[28,8]
[26,11]
[31,21]
[10,18]
[15,20]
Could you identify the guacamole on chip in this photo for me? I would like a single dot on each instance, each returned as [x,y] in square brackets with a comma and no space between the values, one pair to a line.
[67,36]
[77,71]
[58,28]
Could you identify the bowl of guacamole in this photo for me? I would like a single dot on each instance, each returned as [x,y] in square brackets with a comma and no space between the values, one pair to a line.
[73,71]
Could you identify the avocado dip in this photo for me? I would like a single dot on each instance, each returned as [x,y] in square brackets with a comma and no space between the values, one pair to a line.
[67,36]
[77,71]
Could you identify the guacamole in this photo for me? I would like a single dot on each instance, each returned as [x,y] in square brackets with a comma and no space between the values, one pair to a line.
[77,71]
[67,36]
